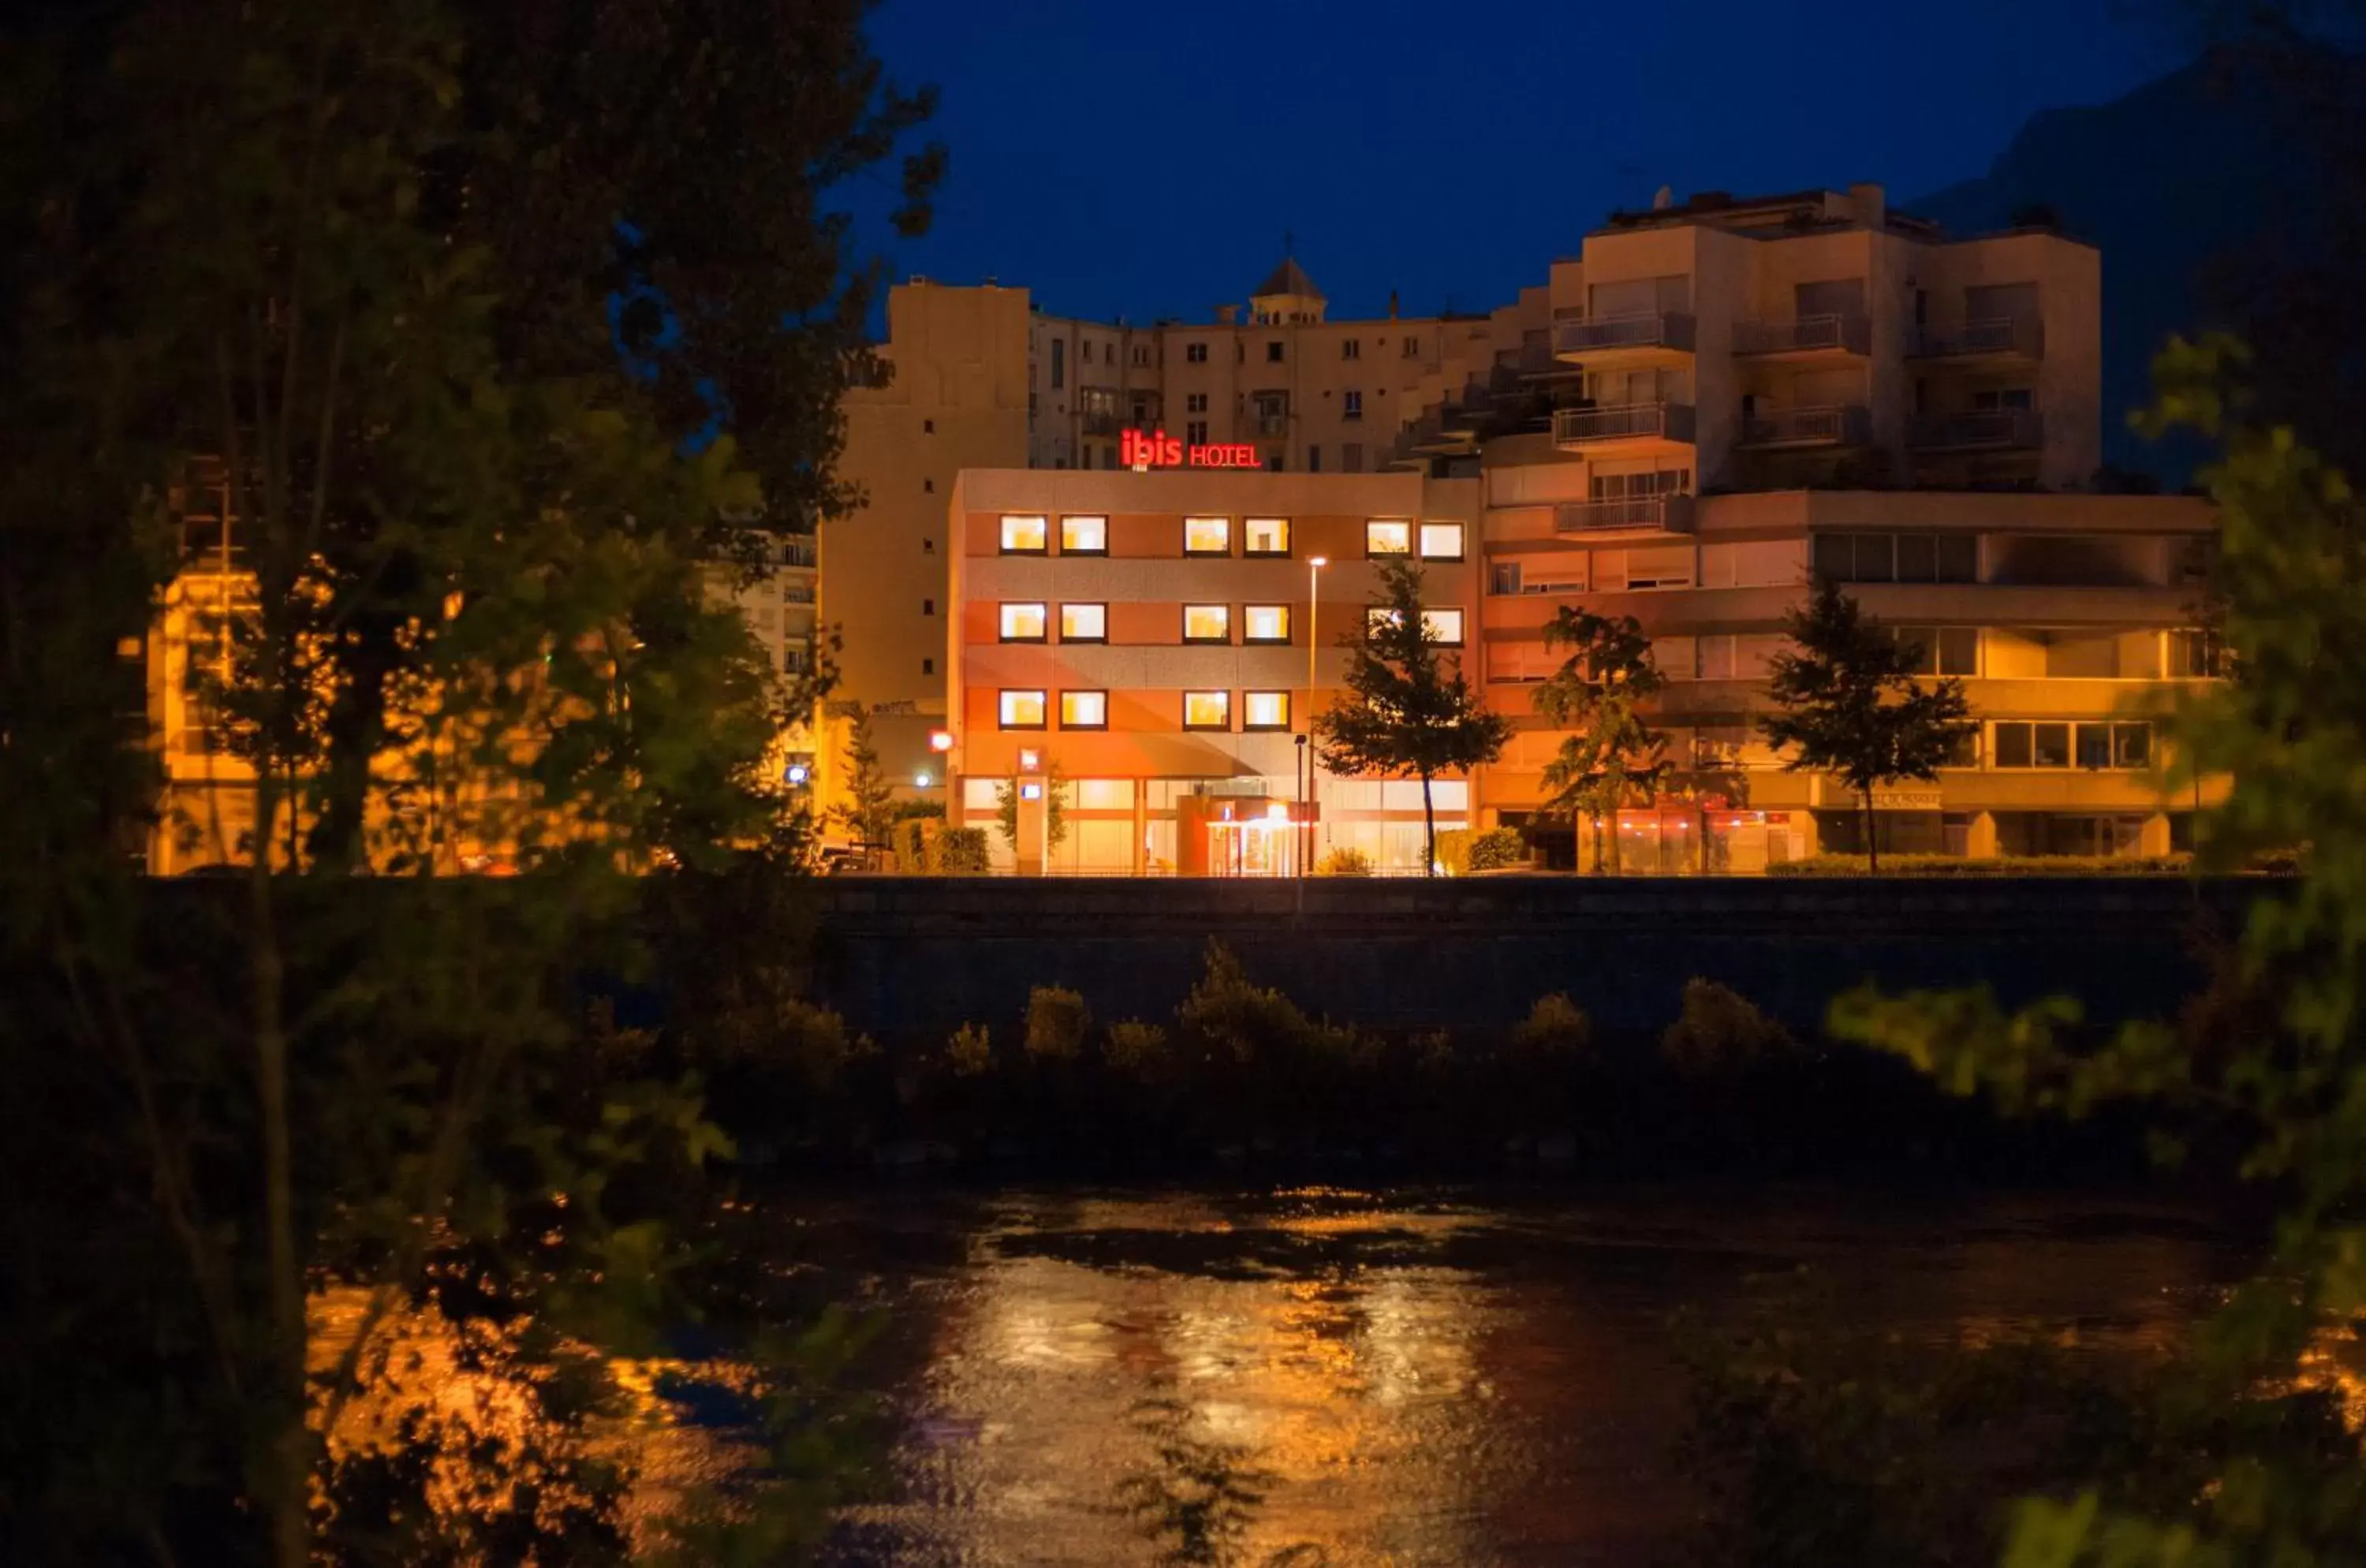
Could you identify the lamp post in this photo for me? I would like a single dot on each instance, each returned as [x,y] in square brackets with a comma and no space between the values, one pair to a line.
[1314,586]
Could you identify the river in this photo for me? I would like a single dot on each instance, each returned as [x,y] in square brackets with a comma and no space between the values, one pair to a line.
[1401,1377]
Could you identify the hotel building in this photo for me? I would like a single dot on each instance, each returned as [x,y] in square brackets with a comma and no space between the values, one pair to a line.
[1713,406]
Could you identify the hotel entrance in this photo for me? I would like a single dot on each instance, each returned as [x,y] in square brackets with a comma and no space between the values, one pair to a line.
[1236,836]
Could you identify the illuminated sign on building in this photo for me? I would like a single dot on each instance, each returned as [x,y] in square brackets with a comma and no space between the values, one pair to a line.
[1159,450]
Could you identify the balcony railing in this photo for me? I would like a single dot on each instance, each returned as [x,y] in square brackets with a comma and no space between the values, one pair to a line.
[1837,425]
[1808,334]
[1269,423]
[1098,423]
[1623,421]
[1983,430]
[799,549]
[1599,335]
[2014,337]
[1634,514]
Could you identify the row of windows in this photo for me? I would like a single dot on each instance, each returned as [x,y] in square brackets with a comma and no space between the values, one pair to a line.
[1898,557]
[2121,745]
[1027,621]
[1029,534]
[1025,709]
[1349,348]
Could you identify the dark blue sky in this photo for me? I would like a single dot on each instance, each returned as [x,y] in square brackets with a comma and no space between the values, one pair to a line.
[1146,161]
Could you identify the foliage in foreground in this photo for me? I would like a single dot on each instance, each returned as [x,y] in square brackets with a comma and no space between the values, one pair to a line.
[2249,1460]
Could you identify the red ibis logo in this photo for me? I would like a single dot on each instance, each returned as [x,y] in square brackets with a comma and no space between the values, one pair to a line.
[1156,449]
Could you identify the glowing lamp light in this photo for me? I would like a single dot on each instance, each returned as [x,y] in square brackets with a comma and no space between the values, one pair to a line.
[1030,792]
[941,740]
[1029,762]
[1318,561]
[799,772]
[921,780]
[1277,812]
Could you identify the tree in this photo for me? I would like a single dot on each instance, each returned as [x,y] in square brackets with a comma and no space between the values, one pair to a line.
[869,809]
[1006,803]
[2247,1456]
[1598,692]
[1850,704]
[354,262]
[1405,709]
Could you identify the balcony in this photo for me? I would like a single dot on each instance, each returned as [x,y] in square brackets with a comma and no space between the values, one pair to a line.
[799,549]
[1272,424]
[1808,337]
[1622,422]
[1783,429]
[1098,423]
[2001,337]
[1983,430]
[1629,517]
[1607,339]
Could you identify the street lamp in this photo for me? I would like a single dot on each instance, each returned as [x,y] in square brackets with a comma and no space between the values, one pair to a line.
[1314,566]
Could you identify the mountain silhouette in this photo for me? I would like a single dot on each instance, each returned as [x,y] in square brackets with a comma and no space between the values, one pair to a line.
[2186,173]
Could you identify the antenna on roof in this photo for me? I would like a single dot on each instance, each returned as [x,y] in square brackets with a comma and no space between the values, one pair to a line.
[1664,199]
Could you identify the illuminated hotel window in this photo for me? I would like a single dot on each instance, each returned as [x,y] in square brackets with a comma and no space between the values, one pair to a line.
[1265,623]
[1206,622]
[1022,710]
[1022,535]
[1207,536]
[1445,625]
[1083,622]
[1022,623]
[1381,538]
[1084,710]
[1265,710]
[1441,541]
[1265,536]
[1084,535]
[1207,710]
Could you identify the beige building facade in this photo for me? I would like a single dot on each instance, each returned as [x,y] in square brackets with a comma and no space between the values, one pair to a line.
[1706,407]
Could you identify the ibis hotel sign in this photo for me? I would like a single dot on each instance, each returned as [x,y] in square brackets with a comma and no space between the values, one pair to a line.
[1156,449]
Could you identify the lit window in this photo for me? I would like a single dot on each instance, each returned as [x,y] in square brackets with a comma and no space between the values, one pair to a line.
[1207,710]
[1084,710]
[1083,622]
[1265,536]
[1444,626]
[1022,710]
[1206,622]
[1022,535]
[1084,535]
[1385,538]
[1265,710]
[1207,536]
[1441,541]
[1022,623]
[1265,623]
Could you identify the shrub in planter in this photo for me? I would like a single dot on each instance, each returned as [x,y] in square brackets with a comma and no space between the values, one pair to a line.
[1497,849]
[961,852]
[1343,862]
[1721,1032]
[1057,1020]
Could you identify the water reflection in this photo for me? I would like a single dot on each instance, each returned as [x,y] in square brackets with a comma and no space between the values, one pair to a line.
[1328,1375]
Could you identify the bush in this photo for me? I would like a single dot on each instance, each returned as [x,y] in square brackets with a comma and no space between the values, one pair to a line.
[1719,1032]
[1057,1020]
[1136,1050]
[1343,862]
[1555,1027]
[1998,865]
[910,845]
[1498,849]
[961,852]
[970,1052]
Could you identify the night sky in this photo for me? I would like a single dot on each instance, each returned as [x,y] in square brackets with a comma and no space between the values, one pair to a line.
[1146,161]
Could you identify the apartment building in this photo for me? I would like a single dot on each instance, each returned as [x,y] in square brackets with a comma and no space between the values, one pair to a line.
[2069,619]
[1148,648]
